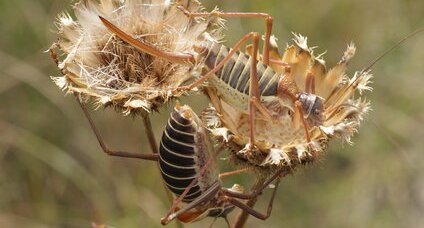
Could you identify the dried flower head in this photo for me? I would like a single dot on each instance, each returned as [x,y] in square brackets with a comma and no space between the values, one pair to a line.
[99,65]
[283,143]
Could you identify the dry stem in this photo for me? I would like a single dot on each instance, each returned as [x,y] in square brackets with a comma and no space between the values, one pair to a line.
[243,216]
[153,146]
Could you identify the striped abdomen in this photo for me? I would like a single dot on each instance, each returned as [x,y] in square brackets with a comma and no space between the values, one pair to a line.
[233,79]
[184,149]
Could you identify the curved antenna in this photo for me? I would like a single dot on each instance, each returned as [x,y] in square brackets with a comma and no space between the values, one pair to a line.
[391,49]
[366,69]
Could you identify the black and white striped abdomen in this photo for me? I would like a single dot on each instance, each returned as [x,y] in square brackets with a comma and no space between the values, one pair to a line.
[183,151]
[236,72]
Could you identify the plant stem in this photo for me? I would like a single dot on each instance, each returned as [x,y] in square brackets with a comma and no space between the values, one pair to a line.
[154,147]
[243,216]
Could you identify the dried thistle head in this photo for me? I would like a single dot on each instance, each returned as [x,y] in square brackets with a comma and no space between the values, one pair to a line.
[283,143]
[99,65]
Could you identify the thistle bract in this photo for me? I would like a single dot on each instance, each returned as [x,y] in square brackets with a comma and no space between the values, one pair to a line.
[97,64]
[281,143]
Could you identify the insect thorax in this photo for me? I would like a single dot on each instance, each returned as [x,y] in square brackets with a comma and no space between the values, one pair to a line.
[312,106]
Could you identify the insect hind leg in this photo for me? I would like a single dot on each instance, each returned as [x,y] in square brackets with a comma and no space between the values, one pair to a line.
[268,21]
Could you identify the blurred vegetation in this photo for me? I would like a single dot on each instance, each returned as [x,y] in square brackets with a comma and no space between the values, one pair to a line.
[53,173]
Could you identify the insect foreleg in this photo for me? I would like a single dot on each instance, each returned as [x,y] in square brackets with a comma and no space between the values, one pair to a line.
[151,157]
[299,111]
[298,116]
[267,17]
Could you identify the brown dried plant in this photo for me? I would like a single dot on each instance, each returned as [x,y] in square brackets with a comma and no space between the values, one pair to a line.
[96,64]
[282,143]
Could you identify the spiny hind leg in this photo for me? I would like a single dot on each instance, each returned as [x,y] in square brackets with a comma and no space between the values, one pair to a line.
[268,20]
[151,157]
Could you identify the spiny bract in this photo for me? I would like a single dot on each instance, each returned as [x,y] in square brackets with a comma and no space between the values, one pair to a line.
[282,143]
[99,65]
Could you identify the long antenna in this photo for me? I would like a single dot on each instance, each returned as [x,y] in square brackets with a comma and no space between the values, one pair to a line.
[366,69]
[391,49]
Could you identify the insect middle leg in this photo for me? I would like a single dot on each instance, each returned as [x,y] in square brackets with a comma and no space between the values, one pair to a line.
[151,157]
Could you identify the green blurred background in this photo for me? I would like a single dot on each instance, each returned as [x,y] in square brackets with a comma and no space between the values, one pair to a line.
[53,173]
